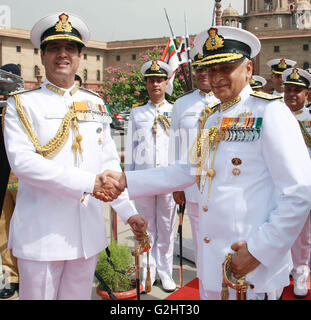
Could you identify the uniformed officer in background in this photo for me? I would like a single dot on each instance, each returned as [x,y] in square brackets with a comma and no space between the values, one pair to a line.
[277,67]
[253,173]
[297,82]
[58,142]
[188,111]
[147,147]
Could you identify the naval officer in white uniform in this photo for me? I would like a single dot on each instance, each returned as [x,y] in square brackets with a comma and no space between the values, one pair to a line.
[253,173]
[58,142]
[297,82]
[147,147]
[188,111]
[277,67]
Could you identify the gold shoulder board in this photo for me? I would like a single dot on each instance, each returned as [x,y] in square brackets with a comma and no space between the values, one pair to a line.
[24,91]
[135,105]
[265,96]
[188,92]
[90,91]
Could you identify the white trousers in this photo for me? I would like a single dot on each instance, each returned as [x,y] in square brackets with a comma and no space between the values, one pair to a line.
[160,212]
[301,251]
[193,213]
[214,295]
[56,280]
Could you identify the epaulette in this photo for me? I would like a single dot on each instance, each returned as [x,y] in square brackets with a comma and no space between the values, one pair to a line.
[138,104]
[90,91]
[23,91]
[186,93]
[265,96]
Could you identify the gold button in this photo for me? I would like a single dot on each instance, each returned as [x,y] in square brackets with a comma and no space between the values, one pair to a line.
[205,208]
[207,240]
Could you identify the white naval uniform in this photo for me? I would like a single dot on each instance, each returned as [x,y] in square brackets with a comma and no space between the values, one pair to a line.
[184,129]
[246,207]
[51,221]
[302,246]
[281,94]
[144,150]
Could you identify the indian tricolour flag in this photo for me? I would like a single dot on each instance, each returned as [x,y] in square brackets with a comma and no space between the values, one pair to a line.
[182,50]
[170,57]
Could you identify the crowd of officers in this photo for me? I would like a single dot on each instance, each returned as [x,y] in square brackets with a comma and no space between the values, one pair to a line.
[234,151]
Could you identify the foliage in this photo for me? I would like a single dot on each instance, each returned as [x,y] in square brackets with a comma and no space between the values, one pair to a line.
[124,87]
[123,260]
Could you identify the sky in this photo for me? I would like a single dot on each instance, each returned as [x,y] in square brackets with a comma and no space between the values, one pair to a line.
[113,20]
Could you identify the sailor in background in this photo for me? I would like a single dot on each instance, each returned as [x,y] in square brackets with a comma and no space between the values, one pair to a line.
[188,112]
[58,143]
[147,147]
[297,82]
[253,173]
[277,67]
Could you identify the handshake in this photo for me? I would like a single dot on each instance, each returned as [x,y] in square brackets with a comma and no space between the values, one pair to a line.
[109,185]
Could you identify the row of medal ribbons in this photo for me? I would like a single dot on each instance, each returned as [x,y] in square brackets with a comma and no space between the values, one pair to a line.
[244,129]
[307,124]
[90,111]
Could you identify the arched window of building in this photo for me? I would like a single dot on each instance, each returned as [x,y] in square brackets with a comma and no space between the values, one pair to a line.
[85,75]
[227,22]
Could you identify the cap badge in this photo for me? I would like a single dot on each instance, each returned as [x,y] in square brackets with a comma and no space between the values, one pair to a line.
[214,41]
[252,81]
[295,75]
[282,64]
[63,25]
[154,66]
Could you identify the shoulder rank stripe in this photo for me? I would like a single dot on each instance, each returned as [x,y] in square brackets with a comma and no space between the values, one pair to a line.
[265,96]
[138,104]
[23,91]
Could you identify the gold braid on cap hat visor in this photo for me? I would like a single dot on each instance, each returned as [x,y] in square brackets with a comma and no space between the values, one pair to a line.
[51,148]
[219,58]
[62,37]
[296,83]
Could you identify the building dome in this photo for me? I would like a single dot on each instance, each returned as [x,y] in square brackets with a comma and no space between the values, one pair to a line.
[303,5]
[230,12]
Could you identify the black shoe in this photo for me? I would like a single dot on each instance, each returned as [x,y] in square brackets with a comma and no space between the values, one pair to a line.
[10,292]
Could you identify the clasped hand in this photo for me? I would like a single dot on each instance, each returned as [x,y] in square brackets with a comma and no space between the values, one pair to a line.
[109,185]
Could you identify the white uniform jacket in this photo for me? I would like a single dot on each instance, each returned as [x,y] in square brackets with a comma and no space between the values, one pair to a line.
[50,222]
[144,149]
[184,129]
[305,116]
[266,205]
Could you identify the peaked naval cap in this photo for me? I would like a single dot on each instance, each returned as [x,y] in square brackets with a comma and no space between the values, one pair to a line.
[297,76]
[156,68]
[257,82]
[60,26]
[222,44]
[279,65]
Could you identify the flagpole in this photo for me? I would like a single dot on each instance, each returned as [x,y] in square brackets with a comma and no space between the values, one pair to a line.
[188,54]
[178,53]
